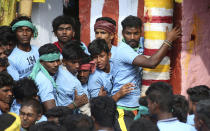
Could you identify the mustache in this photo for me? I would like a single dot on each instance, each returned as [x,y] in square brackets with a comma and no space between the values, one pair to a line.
[4,61]
[133,41]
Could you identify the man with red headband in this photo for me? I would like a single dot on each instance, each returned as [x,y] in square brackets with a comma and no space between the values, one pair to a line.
[105,28]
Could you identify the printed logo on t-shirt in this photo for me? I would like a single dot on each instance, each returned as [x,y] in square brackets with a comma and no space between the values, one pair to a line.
[31,60]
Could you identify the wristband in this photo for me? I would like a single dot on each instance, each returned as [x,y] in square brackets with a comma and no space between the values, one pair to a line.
[75,105]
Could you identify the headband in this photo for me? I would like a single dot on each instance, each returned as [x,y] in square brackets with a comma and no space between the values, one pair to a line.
[89,66]
[38,66]
[105,25]
[50,57]
[27,24]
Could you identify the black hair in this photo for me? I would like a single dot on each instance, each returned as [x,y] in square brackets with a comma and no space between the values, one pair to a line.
[5,79]
[20,18]
[97,46]
[7,35]
[6,121]
[35,104]
[198,93]
[73,51]
[59,111]
[162,94]
[180,108]
[63,19]
[203,111]
[46,126]
[103,109]
[85,60]
[48,48]
[131,21]
[25,88]
[143,101]
[108,19]
[78,122]
[143,124]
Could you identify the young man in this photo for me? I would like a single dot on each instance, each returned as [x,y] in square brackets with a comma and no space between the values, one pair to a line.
[23,89]
[24,55]
[103,112]
[126,63]
[72,93]
[195,95]
[30,112]
[45,72]
[57,113]
[64,29]
[132,33]
[86,68]
[7,39]
[105,28]
[160,98]
[6,83]
[101,81]
[202,115]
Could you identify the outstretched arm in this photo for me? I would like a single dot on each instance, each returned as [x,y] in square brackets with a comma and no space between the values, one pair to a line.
[155,59]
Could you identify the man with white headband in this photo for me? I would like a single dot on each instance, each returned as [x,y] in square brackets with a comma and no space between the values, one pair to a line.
[24,55]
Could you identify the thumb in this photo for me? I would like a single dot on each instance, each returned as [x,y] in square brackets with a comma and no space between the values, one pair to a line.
[166,29]
[102,88]
[75,93]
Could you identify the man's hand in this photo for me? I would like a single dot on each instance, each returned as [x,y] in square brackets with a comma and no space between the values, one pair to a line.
[125,89]
[174,34]
[80,100]
[102,92]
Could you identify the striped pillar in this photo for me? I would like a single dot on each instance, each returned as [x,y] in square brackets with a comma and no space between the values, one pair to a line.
[158,14]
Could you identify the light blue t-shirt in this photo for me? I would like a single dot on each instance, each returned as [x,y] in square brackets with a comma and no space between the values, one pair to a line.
[85,88]
[11,70]
[190,119]
[67,83]
[124,72]
[98,79]
[46,89]
[22,61]
[173,124]
[15,107]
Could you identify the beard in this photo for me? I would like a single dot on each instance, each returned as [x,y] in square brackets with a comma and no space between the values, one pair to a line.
[133,43]
[4,62]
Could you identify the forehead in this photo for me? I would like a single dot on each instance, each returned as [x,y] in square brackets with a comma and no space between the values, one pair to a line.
[100,30]
[27,109]
[23,28]
[132,29]
[65,26]
[5,88]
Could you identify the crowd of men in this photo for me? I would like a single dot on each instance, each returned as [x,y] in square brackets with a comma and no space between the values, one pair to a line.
[68,86]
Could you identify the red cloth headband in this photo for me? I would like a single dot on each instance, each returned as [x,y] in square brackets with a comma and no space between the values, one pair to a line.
[89,66]
[105,25]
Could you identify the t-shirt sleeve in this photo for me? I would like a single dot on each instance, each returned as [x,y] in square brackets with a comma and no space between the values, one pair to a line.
[127,54]
[94,85]
[13,72]
[45,90]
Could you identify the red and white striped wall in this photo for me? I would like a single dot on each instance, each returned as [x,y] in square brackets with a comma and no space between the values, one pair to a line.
[90,10]
[158,15]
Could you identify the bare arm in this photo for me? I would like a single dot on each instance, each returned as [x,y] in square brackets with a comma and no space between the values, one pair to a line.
[78,101]
[125,89]
[155,59]
[49,104]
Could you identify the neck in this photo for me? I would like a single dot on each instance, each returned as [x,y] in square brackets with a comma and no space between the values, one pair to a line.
[164,115]
[107,69]
[24,47]
[98,127]
[60,44]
